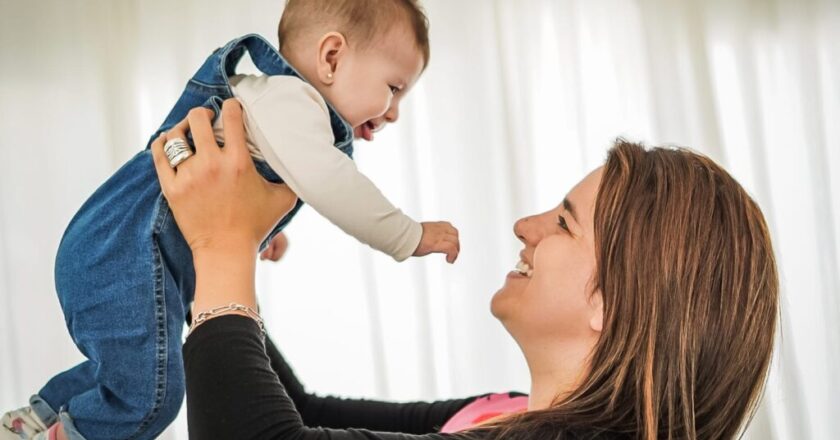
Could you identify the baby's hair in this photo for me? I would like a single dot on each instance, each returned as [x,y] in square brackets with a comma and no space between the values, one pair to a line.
[359,20]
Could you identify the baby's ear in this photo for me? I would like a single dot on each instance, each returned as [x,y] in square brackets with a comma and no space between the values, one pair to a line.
[331,48]
[596,317]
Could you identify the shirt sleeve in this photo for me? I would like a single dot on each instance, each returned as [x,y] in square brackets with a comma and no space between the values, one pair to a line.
[343,413]
[289,123]
[232,392]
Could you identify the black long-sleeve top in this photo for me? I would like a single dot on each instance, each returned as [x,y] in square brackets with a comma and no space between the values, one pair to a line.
[239,387]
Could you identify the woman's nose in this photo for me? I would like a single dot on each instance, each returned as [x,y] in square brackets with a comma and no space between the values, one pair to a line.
[530,230]
[523,229]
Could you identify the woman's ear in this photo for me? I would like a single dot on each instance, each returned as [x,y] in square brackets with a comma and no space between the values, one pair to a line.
[596,319]
[331,49]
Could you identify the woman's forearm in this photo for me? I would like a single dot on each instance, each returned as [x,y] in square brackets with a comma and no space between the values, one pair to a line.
[234,393]
[224,276]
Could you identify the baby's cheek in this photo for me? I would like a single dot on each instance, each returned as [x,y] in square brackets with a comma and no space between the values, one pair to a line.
[380,108]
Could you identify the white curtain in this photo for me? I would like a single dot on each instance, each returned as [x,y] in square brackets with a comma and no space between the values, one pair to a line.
[522,98]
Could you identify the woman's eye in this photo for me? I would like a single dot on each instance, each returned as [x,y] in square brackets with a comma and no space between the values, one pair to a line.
[562,222]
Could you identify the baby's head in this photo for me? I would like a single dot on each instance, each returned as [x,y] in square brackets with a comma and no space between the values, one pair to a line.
[363,56]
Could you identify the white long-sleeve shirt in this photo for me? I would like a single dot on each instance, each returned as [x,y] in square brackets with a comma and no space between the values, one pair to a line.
[288,125]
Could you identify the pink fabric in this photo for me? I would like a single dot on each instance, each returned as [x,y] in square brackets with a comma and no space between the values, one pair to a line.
[483,409]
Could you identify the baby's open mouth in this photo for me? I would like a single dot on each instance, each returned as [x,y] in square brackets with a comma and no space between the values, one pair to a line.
[366,130]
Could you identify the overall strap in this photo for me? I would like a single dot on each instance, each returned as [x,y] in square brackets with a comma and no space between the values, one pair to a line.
[210,85]
[218,69]
[270,62]
[262,53]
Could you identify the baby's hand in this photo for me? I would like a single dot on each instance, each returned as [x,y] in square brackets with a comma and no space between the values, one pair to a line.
[276,248]
[441,238]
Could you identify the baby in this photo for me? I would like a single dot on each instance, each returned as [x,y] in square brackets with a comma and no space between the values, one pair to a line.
[123,271]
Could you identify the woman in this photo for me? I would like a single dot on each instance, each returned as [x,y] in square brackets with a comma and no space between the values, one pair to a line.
[645,303]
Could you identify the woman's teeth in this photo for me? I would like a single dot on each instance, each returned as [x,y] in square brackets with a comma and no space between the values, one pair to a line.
[524,268]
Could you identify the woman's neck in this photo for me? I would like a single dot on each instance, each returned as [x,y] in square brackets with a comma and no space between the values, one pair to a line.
[556,371]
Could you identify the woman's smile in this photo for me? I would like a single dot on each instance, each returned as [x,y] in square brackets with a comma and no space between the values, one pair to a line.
[524,269]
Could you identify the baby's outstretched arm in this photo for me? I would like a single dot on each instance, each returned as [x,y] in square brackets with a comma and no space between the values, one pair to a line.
[290,124]
[439,237]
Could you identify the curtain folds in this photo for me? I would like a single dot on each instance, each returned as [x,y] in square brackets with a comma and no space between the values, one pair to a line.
[521,100]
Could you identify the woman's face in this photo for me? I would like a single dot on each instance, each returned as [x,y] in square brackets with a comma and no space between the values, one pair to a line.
[550,297]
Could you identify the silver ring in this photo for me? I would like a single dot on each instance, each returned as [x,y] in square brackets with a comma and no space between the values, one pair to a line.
[177,151]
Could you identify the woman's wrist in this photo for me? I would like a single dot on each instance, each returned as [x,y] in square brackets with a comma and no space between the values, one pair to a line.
[229,244]
[224,276]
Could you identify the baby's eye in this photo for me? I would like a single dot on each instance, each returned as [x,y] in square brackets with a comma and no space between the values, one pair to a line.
[562,222]
[394,89]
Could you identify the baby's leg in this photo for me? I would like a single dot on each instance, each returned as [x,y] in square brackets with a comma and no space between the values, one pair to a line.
[132,337]
[125,313]
[61,388]
[43,408]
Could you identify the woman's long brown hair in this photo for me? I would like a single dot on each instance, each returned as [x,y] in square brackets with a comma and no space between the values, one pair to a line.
[690,293]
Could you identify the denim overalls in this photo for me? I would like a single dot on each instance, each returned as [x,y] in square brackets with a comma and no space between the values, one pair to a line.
[125,279]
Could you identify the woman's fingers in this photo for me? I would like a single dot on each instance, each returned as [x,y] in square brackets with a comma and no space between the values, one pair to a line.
[202,130]
[234,128]
[166,174]
[178,131]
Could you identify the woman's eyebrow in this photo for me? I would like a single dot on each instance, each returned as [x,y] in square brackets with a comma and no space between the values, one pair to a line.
[569,207]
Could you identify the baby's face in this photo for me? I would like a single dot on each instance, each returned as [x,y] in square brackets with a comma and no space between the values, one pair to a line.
[371,82]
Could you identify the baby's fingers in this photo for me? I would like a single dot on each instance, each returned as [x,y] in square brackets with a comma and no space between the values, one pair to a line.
[268,253]
[276,248]
[447,228]
[449,247]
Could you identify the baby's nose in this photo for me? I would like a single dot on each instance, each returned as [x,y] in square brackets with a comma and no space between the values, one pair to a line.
[393,114]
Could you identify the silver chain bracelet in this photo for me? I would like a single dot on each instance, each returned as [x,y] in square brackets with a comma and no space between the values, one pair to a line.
[232,307]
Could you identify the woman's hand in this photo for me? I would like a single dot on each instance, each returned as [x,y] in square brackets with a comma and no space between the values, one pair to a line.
[222,206]
[220,202]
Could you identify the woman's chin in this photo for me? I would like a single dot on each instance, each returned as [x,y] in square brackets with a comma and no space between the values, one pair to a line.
[500,304]
[498,311]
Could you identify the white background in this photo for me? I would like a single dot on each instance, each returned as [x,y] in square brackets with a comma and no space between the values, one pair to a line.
[521,99]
